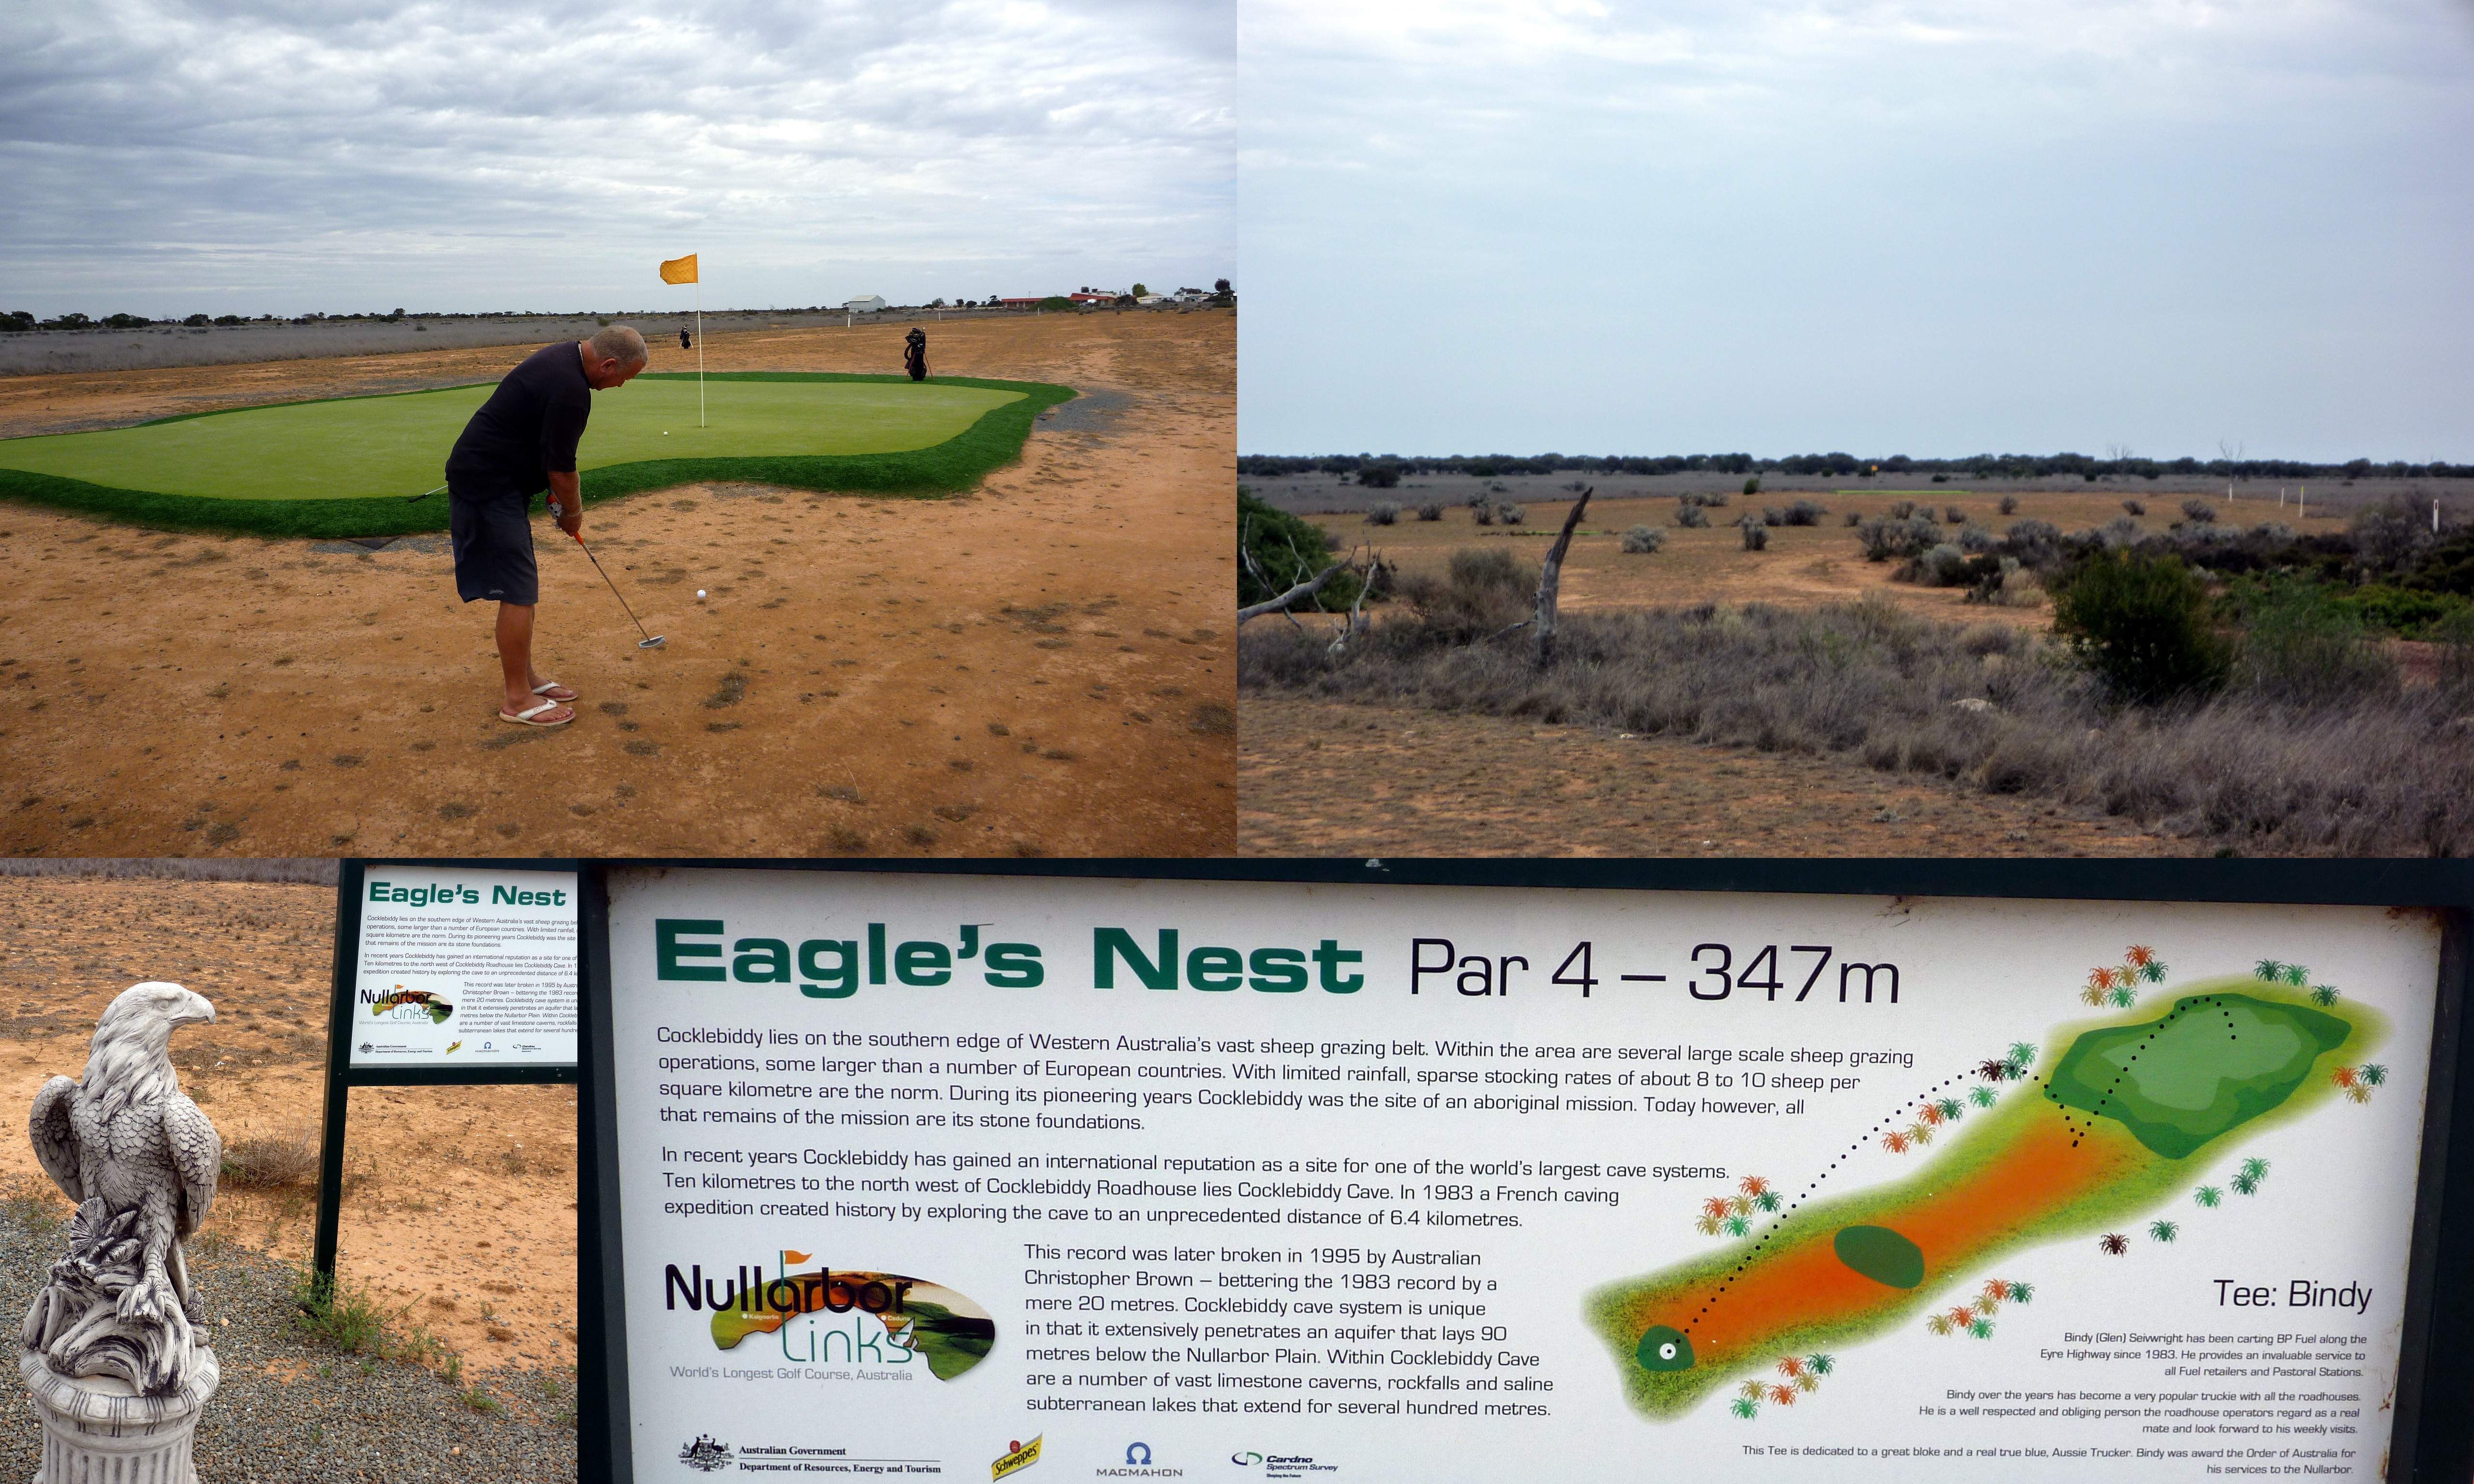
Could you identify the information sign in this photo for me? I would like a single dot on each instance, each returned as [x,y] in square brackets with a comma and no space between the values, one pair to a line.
[930,1175]
[459,965]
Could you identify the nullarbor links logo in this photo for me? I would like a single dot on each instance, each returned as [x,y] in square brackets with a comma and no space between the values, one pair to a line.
[403,1004]
[819,1315]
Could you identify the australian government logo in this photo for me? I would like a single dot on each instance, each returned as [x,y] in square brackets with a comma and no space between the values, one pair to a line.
[863,1325]
[705,1455]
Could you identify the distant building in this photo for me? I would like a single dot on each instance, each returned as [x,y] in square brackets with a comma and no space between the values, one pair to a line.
[1094,297]
[867,305]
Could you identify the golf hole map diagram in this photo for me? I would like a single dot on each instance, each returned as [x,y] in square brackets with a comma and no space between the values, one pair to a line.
[1460,1182]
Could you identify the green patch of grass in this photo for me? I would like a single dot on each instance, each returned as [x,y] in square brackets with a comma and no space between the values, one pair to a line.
[955,464]
[350,1318]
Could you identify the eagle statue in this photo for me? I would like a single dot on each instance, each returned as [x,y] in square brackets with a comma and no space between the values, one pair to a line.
[140,1162]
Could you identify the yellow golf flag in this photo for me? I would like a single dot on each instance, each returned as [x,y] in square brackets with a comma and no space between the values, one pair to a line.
[680,269]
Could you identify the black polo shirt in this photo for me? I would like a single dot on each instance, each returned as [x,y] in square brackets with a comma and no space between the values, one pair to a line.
[528,430]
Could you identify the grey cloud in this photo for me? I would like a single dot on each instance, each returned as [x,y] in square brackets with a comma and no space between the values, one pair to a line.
[476,152]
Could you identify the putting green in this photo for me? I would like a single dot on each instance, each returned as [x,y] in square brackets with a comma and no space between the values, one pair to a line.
[2213,1062]
[348,465]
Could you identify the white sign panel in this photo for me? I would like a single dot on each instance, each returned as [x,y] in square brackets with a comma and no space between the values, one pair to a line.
[459,967]
[1077,1179]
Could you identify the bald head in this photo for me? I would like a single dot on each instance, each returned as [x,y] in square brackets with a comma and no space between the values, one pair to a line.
[614,355]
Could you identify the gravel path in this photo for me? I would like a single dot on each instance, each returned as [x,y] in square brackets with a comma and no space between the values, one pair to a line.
[290,1411]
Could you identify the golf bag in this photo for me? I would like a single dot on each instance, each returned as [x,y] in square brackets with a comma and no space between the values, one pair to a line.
[914,354]
[683,339]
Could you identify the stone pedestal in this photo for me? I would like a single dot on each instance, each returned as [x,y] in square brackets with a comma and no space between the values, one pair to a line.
[97,1431]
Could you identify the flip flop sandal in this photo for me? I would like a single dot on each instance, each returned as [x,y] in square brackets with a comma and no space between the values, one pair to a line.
[524,718]
[546,686]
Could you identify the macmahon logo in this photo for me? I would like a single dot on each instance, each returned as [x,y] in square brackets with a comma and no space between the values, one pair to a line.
[855,1317]
[403,1004]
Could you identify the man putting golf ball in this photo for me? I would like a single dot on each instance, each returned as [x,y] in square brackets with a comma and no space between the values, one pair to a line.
[521,441]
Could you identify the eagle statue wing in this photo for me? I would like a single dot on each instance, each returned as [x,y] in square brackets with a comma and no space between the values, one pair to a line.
[197,1155]
[55,1140]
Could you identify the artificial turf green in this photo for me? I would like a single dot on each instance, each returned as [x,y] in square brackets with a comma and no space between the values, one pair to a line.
[863,439]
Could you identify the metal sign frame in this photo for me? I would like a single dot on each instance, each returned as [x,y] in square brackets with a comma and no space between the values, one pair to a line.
[2431,1441]
[342,1076]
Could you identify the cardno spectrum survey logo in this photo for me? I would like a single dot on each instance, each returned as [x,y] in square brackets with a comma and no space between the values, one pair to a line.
[819,1314]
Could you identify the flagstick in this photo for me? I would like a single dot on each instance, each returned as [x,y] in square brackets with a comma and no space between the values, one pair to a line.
[699,319]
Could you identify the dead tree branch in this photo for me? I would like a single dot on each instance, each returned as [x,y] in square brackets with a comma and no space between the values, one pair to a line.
[1550,579]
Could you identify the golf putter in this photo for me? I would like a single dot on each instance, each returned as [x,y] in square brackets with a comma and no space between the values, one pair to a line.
[650,641]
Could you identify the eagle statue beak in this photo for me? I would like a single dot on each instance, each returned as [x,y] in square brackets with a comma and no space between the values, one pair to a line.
[196,1009]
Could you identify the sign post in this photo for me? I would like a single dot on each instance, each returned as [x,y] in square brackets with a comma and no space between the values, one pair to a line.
[447,974]
[1451,1171]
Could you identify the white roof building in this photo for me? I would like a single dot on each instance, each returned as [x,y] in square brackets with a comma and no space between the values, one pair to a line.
[868,305]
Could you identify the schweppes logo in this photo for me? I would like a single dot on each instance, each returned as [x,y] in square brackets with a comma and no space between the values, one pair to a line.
[1023,1456]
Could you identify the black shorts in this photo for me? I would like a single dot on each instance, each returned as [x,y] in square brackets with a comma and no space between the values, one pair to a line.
[493,536]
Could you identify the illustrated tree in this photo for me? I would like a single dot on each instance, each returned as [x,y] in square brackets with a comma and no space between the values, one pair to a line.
[2113,1244]
[1790,1365]
[1983,1328]
[1919,1133]
[1950,1108]
[1982,1097]
[2208,1196]
[2268,968]
[1807,1382]
[2124,997]
[2091,996]
[1751,1391]
[1931,1113]
[2163,1230]
[2374,1074]
[1895,1141]
[2345,1077]
[2139,955]
[1717,1207]
[1822,1364]
[1783,1396]
[1753,1184]
[2153,970]
[1962,1317]
[1768,1201]
[1737,1226]
[2297,975]
[2245,1184]
[1996,1288]
[2255,1168]
[2323,994]
[2022,1293]
[2022,1054]
[1938,1323]
[1744,1407]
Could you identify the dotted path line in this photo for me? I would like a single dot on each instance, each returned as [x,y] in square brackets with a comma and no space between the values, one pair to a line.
[2078,1133]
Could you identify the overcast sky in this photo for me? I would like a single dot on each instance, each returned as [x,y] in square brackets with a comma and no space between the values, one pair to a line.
[1936,227]
[255,157]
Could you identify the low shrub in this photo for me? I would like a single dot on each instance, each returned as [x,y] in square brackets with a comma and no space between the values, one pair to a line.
[1386,514]
[2198,512]
[1884,536]
[1642,540]
[1757,535]
[1287,549]
[1805,512]
[1691,517]
[1751,486]
[1482,514]
[1902,510]
[1484,589]
[2301,644]
[1772,515]
[1953,516]
[273,1161]
[1510,514]
[2009,505]
[2141,622]
[1432,510]
[2134,506]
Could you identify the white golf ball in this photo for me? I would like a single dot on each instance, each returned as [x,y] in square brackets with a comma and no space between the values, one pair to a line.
[699,593]
[666,432]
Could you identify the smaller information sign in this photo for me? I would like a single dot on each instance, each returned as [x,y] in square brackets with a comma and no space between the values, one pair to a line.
[460,966]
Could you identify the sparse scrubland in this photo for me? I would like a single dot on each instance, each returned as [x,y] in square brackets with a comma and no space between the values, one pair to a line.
[2217,684]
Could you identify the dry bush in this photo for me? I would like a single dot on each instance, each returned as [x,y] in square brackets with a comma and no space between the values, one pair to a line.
[2384,771]
[1642,540]
[2009,505]
[2134,506]
[1432,510]
[1757,535]
[2198,511]
[1386,514]
[1483,590]
[272,1161]
[1691,517]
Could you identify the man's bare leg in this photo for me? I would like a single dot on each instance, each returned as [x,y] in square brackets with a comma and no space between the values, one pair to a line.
[516,662]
